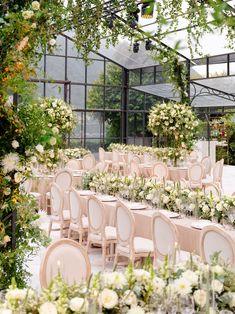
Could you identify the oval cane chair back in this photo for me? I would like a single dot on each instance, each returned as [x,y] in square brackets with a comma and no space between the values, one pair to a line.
[75,207]
[125,224]
[88,162]
[56,197]
[134,169]
[68,258]
[101,154]
[206,163]
[64,179]
[96,216]
[215,240]
[212,189]
[160,170]
[72,164]
[165,235]
[195,175]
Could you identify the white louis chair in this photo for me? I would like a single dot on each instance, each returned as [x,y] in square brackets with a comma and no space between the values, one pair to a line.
[137,159]
[165,239]
[134,169]
[69,259]
[195,175]
[78,222]
[98,231]
[215,240]
[64,180]
[127,243]
[88,162]
[217,174]
[212,189]
[206,163]
[72,165]
[117,164]
[58,214]
[160,171]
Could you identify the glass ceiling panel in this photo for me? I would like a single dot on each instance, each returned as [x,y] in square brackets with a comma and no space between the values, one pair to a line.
[123,54]
[164,90]
[224,84]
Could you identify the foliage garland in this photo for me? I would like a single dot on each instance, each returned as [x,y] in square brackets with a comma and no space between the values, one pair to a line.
[27,27]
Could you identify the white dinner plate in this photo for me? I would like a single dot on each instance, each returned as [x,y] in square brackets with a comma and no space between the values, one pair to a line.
[170,214]
[200,224]
[107,198]
[136,206]
[86,192]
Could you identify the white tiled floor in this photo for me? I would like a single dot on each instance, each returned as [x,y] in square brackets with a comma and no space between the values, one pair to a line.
[95,254]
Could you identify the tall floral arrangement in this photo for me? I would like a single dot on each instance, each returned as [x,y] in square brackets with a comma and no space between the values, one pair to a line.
[59,113]
[174,121]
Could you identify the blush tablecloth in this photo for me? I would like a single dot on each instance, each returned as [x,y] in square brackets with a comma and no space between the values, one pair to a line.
[189,237]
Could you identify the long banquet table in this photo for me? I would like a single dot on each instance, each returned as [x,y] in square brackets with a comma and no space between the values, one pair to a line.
[189,237]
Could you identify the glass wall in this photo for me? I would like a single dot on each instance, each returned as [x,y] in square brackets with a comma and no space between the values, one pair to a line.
[106,109]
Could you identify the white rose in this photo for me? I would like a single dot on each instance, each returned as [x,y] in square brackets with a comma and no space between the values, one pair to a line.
[108,299]
[218,270]
[232,299]
[16,294]
[141,275]
[55,130]
[18,177]
[5,311]
[192,207]
[190,276]
[33,25]
[15,144]
[47,308]
[78,304]
[115,280]
[52,42]
[33,159]
[35,5]
[166,199]
[136,310]
[217,285]
[129,298]
[200,297]
[27,14]
[39,148]
[52,141]
[205,209]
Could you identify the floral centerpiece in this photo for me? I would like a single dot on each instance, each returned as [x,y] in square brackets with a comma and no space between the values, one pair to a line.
[158,153]
[76,153]
[190,287]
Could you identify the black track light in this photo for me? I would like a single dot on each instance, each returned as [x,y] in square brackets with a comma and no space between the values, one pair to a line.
[110,20]
[148,44]
[136,47]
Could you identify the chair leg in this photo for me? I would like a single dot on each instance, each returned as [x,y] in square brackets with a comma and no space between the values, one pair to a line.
[103,255]
[49,229]
[115,262]
[80,237]
[61,231]
[69,233]
[88,244]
